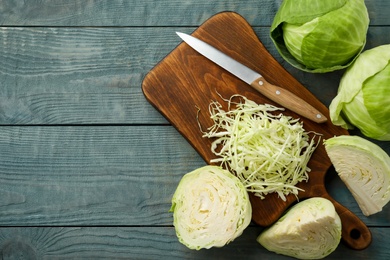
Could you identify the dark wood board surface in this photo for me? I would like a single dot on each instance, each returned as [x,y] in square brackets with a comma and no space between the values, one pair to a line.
[184,82]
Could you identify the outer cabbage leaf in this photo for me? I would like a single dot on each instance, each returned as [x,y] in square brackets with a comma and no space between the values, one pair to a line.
[210,208]
[364,168]
[311,229]
[363,98]
[377,106]
[320,36]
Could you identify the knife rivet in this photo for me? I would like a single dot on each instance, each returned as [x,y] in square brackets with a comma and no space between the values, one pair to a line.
[261,83]
[277,92]
[319,116]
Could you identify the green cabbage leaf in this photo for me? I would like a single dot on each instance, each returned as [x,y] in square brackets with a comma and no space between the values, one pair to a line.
[363,98]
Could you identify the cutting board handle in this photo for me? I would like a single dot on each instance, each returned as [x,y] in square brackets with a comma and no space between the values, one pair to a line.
[354,232]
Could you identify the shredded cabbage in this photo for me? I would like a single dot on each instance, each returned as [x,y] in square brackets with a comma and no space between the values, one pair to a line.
[267,150]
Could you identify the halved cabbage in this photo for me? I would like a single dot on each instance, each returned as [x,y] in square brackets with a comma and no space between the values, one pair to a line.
[311,229]
[364,168]
[210,208]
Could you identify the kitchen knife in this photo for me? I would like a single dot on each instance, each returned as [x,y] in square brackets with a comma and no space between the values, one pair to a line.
[255,79]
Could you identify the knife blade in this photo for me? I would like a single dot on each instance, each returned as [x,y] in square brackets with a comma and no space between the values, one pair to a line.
[256,80]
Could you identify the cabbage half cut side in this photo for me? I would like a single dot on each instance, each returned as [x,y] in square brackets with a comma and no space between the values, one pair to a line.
[364,167]
[210,208]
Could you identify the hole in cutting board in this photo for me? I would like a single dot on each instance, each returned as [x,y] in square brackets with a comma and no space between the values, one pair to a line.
[354,234]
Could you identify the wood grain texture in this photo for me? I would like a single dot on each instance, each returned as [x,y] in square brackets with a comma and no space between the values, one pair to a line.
[76,76]
[128,13]
[91,175]
[93,75]
[147,13]
[148,243]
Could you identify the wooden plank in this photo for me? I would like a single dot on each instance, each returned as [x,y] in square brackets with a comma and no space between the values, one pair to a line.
[148,12]
[94,75]
[91,175]
[102,175]
[74,76]
[149,243]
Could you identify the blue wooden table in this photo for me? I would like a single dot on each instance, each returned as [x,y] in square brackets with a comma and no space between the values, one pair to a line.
[87,166]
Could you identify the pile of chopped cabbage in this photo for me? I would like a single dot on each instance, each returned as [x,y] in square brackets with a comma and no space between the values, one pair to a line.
[268,151]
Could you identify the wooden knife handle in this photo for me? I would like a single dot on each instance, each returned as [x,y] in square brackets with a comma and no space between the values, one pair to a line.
[288,100]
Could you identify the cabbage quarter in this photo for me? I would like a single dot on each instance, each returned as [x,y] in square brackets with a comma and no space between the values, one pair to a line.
[310,229]
[364,168]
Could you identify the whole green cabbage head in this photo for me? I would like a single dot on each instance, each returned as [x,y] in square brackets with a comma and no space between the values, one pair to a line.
[363,98]
[320,36]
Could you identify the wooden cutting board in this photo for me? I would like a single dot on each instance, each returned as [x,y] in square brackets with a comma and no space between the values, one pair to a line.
[184,81]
